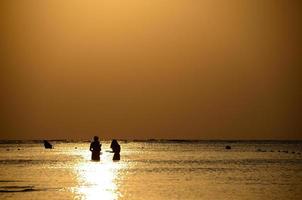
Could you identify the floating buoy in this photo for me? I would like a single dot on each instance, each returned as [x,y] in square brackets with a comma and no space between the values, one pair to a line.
[228,147]
[47,145]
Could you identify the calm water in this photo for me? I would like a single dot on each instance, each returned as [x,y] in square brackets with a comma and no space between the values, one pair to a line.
[153,170]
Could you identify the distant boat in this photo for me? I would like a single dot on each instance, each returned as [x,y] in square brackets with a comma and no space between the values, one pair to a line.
[47,145]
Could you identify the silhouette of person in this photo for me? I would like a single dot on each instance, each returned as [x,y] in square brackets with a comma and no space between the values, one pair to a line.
[95,148]
[116,149]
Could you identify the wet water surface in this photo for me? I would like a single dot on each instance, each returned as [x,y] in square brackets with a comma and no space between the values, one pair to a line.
[153,170]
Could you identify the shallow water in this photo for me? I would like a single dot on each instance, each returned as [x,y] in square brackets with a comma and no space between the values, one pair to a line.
[153,170]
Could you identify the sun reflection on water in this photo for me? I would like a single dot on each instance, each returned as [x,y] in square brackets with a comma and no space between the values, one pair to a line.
[99,180]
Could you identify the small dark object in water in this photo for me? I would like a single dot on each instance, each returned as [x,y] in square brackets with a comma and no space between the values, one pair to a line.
[19,149]
[116,149]
[7,149]
[299,153]
[47,145]
[76,147]
[279,151]
[293,152]
[259,150]
[228,147]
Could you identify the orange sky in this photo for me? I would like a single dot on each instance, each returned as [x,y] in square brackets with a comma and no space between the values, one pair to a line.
[185,69]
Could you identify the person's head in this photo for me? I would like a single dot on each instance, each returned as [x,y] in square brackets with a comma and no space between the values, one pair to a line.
[114,142]
[96,138]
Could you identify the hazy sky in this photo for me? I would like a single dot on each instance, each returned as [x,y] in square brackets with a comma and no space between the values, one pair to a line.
[185,69]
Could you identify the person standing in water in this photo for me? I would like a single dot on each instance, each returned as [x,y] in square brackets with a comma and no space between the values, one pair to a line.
[95,148]
[116,149]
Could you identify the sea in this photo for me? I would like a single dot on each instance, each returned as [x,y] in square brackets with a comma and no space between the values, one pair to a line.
[152,169]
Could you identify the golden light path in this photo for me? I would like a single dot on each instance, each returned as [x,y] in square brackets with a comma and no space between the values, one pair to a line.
[98,180]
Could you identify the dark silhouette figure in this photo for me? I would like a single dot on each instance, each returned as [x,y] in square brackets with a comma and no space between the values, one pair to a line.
[116,149]
[47,145]
[95,148]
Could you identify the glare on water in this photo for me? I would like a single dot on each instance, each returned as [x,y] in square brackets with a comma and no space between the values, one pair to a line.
[98,180]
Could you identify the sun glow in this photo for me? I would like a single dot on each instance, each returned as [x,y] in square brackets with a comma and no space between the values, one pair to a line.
[99,180]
